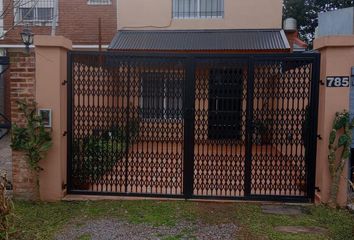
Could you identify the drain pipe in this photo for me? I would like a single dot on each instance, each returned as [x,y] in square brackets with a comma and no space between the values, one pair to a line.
[55,16]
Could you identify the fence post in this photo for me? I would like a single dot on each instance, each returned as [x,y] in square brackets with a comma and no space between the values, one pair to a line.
[51,92]
[337,58]
[189,119]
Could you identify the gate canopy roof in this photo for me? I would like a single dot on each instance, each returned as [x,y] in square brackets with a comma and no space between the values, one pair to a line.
[200,40]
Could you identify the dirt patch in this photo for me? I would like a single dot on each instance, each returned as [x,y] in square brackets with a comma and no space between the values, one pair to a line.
[110,229]
[300,229]
[283,209]
[216,213]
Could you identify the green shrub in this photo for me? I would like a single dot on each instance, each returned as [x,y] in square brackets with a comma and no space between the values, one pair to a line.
[97,154]
[101,155]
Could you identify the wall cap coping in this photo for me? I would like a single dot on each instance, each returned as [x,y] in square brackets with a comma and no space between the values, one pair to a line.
[52,41]
[334,41]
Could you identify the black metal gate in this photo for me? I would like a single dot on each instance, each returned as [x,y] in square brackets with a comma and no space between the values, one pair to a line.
[5,123]
[193,126]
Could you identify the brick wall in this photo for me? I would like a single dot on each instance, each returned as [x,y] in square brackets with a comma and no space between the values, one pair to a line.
[22,87]
[78,21]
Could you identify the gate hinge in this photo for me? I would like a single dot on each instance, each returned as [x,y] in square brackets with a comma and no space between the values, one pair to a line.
[65,133]
[322,82]
[318,189]
[64,82]
[319,137]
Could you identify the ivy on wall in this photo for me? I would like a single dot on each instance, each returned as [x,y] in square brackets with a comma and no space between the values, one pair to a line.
[340,140]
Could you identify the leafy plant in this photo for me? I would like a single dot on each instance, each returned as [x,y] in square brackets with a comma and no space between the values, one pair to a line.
[340,139]
[261,131]
[32,139]
[97,154]
[6,208]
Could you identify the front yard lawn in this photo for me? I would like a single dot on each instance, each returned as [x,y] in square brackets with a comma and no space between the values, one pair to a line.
[171,220]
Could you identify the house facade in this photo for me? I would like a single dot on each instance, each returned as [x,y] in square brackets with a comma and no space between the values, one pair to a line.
[191,100]
[199,14]
[211,25]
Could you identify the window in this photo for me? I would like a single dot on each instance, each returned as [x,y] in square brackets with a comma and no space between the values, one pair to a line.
[225,103]
[198,9]
[45,14]
[34,11]
[99,2]
[162,97]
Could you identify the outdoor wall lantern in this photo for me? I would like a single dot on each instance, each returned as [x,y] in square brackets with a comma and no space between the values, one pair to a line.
[27,37]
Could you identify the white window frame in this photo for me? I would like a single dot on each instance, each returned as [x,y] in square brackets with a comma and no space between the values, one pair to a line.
[35,5]
[99,2]
[164,115]
[198,13]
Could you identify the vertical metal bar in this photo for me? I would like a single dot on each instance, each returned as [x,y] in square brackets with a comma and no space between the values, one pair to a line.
[100,37]
[312,148]
[127,127]
[189,116]
[69,122]
[249,120]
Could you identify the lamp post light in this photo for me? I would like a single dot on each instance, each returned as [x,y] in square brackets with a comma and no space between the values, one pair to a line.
[27,37]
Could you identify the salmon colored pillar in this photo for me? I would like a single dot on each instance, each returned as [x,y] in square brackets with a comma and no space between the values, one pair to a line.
[51,72]
[337,58]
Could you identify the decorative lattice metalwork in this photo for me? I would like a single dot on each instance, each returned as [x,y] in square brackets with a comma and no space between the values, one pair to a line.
[193,126]
[220,128]
[281,101]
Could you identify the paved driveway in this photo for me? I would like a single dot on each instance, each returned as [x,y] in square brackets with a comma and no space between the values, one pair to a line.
[5,156]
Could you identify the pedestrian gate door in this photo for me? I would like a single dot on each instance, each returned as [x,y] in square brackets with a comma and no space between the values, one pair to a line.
[193,126]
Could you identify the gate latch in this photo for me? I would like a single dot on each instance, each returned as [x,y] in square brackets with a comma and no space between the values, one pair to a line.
[65,133]
[319,137]
[64,82]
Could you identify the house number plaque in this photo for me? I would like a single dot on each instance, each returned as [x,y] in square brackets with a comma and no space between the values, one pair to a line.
[337,81]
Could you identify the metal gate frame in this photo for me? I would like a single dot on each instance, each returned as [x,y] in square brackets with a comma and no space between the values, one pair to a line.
[189,127]
[5,123]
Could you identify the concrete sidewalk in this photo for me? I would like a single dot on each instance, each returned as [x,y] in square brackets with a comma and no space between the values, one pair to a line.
[5,156]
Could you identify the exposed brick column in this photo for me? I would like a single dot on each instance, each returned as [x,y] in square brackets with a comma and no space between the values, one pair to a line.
[22,87]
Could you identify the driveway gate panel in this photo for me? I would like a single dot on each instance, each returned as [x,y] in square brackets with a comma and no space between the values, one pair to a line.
[193,125]
[155,155]
[281,116]
[127,125]
[220,127]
